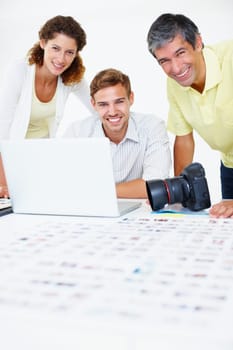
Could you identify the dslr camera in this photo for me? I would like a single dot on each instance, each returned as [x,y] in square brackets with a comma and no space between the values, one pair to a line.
[190,189]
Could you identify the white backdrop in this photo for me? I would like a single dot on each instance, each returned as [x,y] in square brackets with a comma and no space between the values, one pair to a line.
[116,37]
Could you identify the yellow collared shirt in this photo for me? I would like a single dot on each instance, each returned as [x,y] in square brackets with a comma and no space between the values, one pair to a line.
[209,113]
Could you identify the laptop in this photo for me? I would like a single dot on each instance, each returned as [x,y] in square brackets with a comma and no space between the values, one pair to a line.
[5,206]
[62,177]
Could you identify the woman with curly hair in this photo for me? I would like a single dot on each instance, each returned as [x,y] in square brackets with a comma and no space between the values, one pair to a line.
[35,90]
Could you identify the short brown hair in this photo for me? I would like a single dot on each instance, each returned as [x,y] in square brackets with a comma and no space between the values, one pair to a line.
[109,77]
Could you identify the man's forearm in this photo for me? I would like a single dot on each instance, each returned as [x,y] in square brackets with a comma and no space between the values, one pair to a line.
[183,152]
[132,189]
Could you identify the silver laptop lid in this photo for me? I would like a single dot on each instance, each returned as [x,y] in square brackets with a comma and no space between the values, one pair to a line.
[60,176]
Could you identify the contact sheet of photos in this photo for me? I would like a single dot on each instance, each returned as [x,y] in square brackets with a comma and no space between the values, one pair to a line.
[157,271]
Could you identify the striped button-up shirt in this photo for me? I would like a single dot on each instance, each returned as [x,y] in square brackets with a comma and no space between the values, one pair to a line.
[143,153]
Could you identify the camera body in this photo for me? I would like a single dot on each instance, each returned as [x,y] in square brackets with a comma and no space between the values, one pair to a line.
[190,189]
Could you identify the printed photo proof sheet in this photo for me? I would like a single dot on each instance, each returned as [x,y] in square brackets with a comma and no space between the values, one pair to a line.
[153,282]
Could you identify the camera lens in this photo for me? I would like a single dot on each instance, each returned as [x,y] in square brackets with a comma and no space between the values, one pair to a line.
[168,191]
[157,194]
[190,189]
[178,189]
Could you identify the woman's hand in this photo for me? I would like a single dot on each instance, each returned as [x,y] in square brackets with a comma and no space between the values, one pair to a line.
[3,184]
[4,191]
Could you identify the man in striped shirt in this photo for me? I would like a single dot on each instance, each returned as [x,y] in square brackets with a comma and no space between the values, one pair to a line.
[139,142]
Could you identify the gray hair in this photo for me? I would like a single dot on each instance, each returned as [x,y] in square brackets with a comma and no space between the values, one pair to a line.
[167,26]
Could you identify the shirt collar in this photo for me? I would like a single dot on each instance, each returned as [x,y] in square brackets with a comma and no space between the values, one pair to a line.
[131,133]
[213,70]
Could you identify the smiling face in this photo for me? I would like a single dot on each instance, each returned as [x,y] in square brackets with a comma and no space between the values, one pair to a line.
[59,53]
[113,106]
[183,63]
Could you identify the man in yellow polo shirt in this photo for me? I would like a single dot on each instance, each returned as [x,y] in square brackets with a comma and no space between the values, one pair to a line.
[200,95]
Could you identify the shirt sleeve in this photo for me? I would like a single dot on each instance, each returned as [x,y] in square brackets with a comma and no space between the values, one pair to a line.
[82,92]
[10,92]
[157,161]
[176,123]
[81,128]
